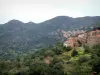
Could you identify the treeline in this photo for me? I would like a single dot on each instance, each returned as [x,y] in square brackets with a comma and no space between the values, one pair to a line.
[52,61]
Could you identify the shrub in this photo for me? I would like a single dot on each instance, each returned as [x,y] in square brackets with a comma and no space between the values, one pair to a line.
[49,53]
[67,48]
[74,53]
[68,57]
[57,51]
[87,49]
[83,59]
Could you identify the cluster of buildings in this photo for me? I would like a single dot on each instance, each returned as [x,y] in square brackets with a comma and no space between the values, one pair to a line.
[84,38]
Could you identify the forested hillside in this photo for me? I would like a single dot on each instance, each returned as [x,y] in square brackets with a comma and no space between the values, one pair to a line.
[55,60]
[18,37]
[31,49]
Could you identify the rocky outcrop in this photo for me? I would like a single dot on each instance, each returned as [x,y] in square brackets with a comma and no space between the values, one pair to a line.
[87,38]
[93,37]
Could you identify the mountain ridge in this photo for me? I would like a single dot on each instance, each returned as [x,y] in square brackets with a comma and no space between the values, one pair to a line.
[53,18]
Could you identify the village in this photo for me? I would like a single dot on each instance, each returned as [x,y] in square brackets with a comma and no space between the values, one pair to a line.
[81,37]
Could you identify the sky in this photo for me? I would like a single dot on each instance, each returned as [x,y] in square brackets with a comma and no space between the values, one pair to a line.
[41,10]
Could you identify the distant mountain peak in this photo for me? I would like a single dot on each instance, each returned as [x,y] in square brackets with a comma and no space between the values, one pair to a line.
[30,22]
[62,17]
[14,21]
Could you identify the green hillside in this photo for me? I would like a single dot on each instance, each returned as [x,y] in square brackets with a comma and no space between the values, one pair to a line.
[55,60]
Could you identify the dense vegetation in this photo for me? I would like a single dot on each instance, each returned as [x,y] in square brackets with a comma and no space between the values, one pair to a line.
[55,60]
[18,37]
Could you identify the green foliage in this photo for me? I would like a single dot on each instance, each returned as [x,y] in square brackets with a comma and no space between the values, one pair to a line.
[57,51]
[56,60]
[68,57]
[87,49]
[96,50]
[34,63]
[83,59]
[38,68]
[49,53]
[81,70]
[95,62]
[74,53]
[67,48]
[96,65]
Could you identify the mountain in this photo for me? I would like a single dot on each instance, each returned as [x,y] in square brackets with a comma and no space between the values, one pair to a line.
[67,23]
[23,37]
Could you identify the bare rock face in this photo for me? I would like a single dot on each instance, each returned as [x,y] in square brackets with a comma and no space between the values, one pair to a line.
[88,38]
[94,37]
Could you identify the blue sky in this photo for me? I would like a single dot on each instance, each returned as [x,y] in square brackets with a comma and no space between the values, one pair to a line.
[41,10]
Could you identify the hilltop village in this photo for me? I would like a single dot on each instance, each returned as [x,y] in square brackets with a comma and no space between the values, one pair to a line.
[81,37]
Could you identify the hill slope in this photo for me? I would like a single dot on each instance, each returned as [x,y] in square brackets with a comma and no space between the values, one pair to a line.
[23,37]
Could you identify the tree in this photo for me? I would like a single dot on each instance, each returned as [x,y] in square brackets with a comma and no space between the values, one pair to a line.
[57,51]
[87,49]
[38,68]
[67,48]
[96,58]
[83,59]
[74,53]
[96,50]
[49,53]
[68,57]
[81,70]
